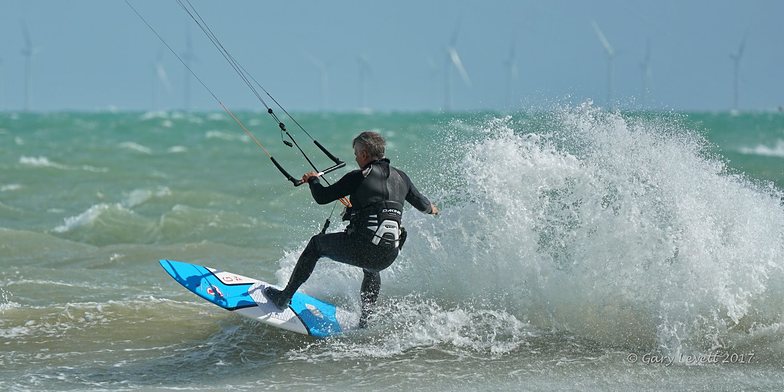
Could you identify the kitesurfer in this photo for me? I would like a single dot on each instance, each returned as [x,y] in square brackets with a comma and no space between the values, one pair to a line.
[374,235]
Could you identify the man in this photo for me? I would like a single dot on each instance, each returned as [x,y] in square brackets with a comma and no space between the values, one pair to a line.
[374,235]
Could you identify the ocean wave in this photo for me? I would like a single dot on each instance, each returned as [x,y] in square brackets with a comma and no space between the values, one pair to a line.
[14,332]
[10,188]
[132,146]
[41,161]
[118,223]
[4,208]
[103,224]
[78,320]
[48,282]
[177,149]
[155,114]
[21,247]
[94,169]
[231,137]
[765,150]
[165,117]
[87,217]
[5,300]
[44,162]
[141,196]
[611,228]
[413,322]
[621,230]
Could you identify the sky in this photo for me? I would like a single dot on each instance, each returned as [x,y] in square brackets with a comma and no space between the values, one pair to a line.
[98,55]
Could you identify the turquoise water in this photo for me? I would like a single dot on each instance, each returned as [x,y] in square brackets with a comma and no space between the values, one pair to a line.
[575,247]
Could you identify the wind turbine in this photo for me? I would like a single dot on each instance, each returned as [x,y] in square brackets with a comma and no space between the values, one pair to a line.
[610,57]
[188,56]
[736,57]
[324,78]
[160,78]
[645,65]
[434,84]
[511,73]
[28,51]
[453,60]
[364,73]
[2,85]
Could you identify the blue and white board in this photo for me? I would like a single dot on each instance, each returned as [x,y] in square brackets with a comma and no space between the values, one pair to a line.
[243,295]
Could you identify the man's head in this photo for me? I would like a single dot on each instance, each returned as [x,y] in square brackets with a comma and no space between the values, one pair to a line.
[368,147]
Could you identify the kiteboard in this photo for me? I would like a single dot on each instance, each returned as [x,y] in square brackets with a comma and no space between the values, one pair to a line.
[239,294]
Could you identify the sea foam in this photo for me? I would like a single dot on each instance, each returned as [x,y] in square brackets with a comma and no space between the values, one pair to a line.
[622,230]
[765,150]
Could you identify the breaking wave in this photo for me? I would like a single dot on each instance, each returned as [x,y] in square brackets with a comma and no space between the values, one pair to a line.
[617,229]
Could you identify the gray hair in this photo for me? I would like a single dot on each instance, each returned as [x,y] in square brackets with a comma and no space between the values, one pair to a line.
[370,142]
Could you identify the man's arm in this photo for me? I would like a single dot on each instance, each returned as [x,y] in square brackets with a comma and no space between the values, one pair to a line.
[416,199]
[344,187]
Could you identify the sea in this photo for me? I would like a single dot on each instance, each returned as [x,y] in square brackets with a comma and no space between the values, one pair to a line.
[577,248]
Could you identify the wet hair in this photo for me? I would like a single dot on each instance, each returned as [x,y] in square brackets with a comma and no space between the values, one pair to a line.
[370,142]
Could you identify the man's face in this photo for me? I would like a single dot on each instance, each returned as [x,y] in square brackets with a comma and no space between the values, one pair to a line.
[360,156]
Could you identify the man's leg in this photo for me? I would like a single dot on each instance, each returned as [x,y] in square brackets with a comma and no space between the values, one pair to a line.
[371,286]
[336,246]
[305,264]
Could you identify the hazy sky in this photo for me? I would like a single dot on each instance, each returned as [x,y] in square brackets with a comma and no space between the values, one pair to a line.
[96,54]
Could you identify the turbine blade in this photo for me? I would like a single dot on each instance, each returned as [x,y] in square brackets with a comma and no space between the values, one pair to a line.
[163,77]
[605,43]
[26,33]
[742,46]
[313,60]
[455,57]
[646,60]
[364,63]
[28,48]
[512,53]
[511,61]
[189,55]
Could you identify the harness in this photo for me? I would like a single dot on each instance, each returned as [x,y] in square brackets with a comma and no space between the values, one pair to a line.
[378,207]
[379,223]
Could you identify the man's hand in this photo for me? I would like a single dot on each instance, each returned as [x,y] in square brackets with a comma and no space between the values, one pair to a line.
[433,209]
[307,176]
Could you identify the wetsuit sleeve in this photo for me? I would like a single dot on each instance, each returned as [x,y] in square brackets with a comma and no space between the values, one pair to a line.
[413,197]
[344,187]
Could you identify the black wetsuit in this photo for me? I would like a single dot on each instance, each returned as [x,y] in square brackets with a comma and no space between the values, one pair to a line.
[378,182]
